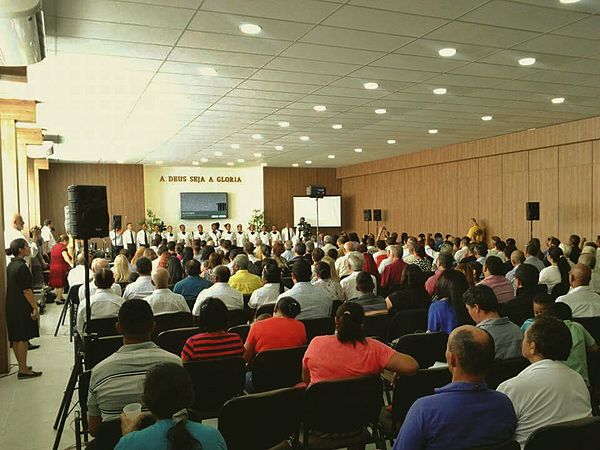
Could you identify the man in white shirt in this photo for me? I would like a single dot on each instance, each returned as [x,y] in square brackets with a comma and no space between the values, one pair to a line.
[97,264]
[227,234]
[264,235]
[103,303]
[143,237]
[249,250]
[169,235]
[15,232]
[328,243]
[584,302]
[315,303]
[546,392]
[130,239]
[517,257]
[182,236]
[214,234]
[275,235]
[142,287]
[200,234]
[341,264]
[76,275]
[411,245]
[287,233]
[162,300]
[464,248]
[252,234]
[48,236]
[239,237]
[220,289]
[116,240]
[289,252]
[355,263]
[269,292]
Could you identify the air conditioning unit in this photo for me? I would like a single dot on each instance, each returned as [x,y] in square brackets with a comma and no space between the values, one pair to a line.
[22,34]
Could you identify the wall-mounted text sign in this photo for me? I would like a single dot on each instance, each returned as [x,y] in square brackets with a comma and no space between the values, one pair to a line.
[198,179]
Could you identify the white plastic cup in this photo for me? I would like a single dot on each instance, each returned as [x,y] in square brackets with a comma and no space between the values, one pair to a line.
[132,410]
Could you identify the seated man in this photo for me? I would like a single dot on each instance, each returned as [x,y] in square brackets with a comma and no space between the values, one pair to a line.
[104,302]
[482,306]
[76,275]
[371,303]
[486,416]
[119,379]
[192,284]
[584,302]
[142,287]
[314,302]
[520,308]
[495,279]
[546,392]
[162,300]
[242,280]
[97,264]
[355,264]
[392,272]
[220,289]
[271,276]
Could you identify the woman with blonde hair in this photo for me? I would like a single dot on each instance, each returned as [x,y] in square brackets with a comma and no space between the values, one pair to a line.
[121,269]
[138,254]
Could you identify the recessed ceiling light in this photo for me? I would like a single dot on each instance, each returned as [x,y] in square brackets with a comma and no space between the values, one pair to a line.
[279,147]
[120,162]
[486,118]
[380,111]
[434,131]
[295,165]
[308,161]
[207,71]
[371,85]
[320,108]
[158,162]
[568,2]
[250,28]
[331,156]
[204,160]
[358,150]
[527,61]
[240,160]
[440,91]
[264,164]
[558,100]
[218,153]
[257,136]
[304,138]
[230,163]
[196,163]
[391,141]
[337,126]
[235,146]
[258,155]
[447,52]
[283,124]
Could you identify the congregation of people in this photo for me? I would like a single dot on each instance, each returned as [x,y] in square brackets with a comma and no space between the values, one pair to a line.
[505,301]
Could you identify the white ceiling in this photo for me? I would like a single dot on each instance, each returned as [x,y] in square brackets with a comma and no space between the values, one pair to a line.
[121,81]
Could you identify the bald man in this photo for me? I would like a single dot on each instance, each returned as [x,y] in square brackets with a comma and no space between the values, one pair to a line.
[584,302]
[431,421]
[76,275]
[15,231]
[162,300]
[341,264]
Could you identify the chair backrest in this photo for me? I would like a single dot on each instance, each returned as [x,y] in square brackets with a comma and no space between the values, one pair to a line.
[73,295]
[340,406]
[275,369]
[172,321]
[216,381]
[334,307]
[406,322]
[319,327]
[174,340]
[102,327]
[123,285]
[376,326]
[410,388]
[242,330]
[503,369]
[261,421]
[287,282]
[246,299]
[236,317]
[269,308]
[98,348]
[83,386]
[507,445]
[559,289]
[591,324]
[583,434]
[426,348]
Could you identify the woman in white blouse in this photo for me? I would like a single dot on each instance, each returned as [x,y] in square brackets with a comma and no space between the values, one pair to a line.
[324,281]
[557,272]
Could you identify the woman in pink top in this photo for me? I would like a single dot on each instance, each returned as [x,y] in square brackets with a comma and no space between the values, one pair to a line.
[349,354]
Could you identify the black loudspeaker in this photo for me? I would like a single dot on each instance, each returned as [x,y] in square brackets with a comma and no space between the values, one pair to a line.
[117,221]
[532,210]
[88,211]
[367,215]
[377,215]
[315,191]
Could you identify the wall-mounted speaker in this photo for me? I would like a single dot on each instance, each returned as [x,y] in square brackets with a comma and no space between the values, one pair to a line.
[532,210]
[377,215]
[367,215]
[88,211]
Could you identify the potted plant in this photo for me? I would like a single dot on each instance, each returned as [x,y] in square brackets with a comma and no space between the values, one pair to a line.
[257,219]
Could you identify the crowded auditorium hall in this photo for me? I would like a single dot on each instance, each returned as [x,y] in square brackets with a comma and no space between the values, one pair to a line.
[300,224]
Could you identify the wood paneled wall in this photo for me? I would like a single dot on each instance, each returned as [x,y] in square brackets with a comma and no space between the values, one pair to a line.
[124,185]
[490,179]
[281,184]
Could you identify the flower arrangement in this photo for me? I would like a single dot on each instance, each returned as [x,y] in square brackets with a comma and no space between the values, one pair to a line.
[151,219]
[257,218]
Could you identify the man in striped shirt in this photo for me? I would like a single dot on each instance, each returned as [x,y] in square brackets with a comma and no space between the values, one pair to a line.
[495,279]
[216,342]
[119,379]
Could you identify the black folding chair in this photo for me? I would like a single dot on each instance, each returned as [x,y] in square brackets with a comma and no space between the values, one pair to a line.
[376,326]
[105,326]
[406,322]
[171,321]
[215,381]
[582,434]
[269,308]
[242,330]
[319,327]
[345,407]
[237,317]
[503,369]
[334,307]
[426,348]
[174,340]
[261,421]
[507,445]
[98,348]
[275,369]
[591,324]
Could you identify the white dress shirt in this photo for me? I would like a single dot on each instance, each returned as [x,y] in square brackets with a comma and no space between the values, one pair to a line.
[545,393]
[264,295]
[170,237]
[341,265]
[104,303]
[550,276]
[265,237]
[233,299]
[227,235]
[140,288]
[314,302]
[183,236]
[140,238]
[239,238]
[252,236]
[287,234]
[115,288]
[328,247]
[274,236]
[349,286]
[48,237]
[331,287]
[460,254]
[584,302]
[214,236]
[116,238]
[129,237]
[163,301]
[77,275]
[202,236]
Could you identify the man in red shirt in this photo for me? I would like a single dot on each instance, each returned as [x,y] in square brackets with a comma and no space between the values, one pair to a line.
[445,262]
[392,274]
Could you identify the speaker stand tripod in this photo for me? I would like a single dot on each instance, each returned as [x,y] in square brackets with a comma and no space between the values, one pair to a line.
[530,230]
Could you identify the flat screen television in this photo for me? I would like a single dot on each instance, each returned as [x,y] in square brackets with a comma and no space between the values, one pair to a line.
[204,205]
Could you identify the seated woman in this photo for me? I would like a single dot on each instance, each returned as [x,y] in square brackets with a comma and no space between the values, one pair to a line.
[215,342]
[168,393]
[332,288]
[449,311]
[412,293]
[372,304]
[280,331]
[349,353]
[121,269]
